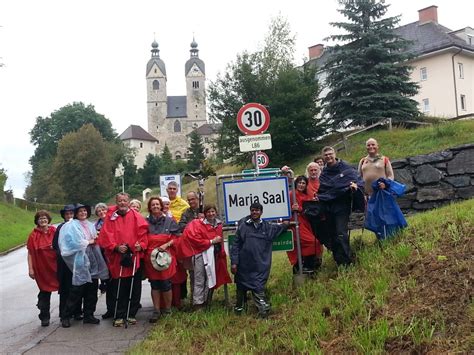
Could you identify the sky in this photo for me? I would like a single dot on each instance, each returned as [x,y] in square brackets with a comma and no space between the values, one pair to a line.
[55,52]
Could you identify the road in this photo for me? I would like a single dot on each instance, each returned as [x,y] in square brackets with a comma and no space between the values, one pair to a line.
[21,332]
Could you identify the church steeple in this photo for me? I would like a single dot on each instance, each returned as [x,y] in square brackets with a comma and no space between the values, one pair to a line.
[194,50]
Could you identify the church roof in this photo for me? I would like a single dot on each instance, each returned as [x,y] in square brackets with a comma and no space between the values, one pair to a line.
[177,107]
[191,61]
[136,132]
[158,62]
[208,128]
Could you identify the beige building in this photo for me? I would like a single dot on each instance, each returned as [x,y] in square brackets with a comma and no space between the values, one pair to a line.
[443,65]
[142,143]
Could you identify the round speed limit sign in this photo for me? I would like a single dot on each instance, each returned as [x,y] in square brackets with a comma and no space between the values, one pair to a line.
[262,160]
[253,118]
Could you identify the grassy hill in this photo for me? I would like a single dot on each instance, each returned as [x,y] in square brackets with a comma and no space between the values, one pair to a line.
[16,224]
[410,294]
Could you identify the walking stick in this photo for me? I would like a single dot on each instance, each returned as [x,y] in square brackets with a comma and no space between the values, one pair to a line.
[131,290]
[118,292]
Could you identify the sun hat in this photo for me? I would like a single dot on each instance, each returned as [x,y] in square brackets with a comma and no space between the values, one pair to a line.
[80,205]
[161,260]
[67,208]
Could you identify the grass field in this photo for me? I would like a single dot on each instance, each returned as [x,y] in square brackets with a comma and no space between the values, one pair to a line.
[410,294]
[16,224]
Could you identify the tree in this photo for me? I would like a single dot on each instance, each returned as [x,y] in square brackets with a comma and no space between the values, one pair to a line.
[196,149]
[149,174]
[268,77]
[367,77]
[48,131]
[3,180]
[83,166]
[167,161]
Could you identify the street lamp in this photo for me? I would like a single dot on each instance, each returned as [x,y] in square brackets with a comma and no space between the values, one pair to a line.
[120,171]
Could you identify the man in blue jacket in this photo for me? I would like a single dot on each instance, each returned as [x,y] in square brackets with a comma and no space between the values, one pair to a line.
[251,257]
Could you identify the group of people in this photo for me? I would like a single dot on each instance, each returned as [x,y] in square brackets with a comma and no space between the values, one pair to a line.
[180,237]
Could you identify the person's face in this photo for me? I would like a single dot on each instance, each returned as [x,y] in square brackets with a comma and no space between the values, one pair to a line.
[372,147]
[43,221]
[320,162]
[301,185]
[123,203]
[155,208]
[255,213]
[193,201]
[166,207]
[329,157]
[172,191]
[211,214]
[68,215]
[82,214]
[101,212]
[135,207]
[313,172]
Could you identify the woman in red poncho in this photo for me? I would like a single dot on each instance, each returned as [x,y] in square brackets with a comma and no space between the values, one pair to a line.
[311,249]
[42,262]
[202,241]
[161,231]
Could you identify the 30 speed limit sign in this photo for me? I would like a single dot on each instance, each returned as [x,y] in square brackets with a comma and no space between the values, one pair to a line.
[253,118]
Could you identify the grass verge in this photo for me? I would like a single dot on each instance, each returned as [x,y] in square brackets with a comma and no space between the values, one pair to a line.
[408,294]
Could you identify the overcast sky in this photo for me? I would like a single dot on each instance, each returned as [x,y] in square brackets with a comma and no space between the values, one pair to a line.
[57,52]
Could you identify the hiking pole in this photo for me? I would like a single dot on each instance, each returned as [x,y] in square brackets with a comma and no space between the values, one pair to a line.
[118,292]
[131,290]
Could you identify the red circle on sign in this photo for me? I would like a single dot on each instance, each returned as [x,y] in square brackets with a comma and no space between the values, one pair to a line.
[262,160]
[253,118]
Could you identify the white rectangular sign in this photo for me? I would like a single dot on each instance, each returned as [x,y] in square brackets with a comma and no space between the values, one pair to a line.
[272,193]
[165,180]
[255,142]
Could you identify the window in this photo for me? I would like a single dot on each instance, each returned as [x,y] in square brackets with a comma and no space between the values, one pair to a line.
[156,85]
[178,155]
[206,140]
[141,144]
[156,71]
[423,74]
[207,150]
[461,70]
[426,105]
[177,126]
[195,84]
[463,102]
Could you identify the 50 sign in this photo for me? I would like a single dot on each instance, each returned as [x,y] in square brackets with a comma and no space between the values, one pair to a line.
[253,118]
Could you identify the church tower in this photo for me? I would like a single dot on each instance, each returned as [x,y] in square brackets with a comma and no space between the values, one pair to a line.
[156,92]
[195,72]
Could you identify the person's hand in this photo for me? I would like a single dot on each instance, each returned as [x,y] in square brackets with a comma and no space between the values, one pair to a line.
[165,246]
[315,198]
[285,169]
[31,274]
[122,249]
[216,240]
[92,241]
[233,269]
[201,215]
[286,223]
[382,186]
[353,186]
[295,207]
[138,247]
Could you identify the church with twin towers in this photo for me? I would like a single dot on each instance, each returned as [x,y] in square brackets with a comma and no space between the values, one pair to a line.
[171,119]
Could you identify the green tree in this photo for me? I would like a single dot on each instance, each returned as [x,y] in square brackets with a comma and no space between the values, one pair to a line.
[3,181]
[167,161]
[269,77]
[48,131]
[83,166]
[150,173]
[196,149]
[366,74]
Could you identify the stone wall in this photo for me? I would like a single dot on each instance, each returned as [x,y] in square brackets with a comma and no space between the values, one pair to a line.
[436,179]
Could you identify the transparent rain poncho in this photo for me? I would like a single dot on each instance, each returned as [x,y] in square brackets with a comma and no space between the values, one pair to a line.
[83,259]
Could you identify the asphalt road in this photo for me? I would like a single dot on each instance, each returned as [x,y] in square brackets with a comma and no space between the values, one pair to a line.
[21,332]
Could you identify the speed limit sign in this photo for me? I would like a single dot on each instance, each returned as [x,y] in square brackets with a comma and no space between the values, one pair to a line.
[253,118]
[262,160]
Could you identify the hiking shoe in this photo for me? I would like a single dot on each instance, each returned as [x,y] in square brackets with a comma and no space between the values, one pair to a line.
[90,320]
[65,323]
[131,320]
[44,322]
[154,317]
[78,317]
[238,310]
[107,315]
[118,322]
[166,312]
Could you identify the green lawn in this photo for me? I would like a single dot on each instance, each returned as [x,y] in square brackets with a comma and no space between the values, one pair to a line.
[16,224]
[391,300]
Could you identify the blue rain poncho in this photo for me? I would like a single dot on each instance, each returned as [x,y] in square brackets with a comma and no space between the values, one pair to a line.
[384,217]
[83,259]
